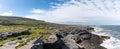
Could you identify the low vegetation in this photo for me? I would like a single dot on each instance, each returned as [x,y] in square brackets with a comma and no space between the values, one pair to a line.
[35,27]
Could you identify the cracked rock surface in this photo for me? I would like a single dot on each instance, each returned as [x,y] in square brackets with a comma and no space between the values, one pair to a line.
[72,38]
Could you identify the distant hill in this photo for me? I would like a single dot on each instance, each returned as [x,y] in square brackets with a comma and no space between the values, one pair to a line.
[18,20]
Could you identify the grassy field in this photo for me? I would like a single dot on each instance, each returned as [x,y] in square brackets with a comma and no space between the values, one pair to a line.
[13,28]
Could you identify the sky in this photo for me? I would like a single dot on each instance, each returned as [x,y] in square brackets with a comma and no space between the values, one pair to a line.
[88,12]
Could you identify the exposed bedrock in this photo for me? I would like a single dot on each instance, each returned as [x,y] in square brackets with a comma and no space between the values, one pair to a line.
[5,35]
[38,44]
[74,38]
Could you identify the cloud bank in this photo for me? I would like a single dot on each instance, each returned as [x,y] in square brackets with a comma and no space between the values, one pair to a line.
[81,12]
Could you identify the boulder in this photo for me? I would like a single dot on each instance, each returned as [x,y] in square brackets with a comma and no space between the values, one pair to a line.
[105,37]
[69,42]
[52,39]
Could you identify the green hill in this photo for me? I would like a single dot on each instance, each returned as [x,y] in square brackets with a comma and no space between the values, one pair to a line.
[15,24]
[18,20]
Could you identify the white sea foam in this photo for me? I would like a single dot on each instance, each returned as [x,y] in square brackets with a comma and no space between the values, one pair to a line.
[112,43]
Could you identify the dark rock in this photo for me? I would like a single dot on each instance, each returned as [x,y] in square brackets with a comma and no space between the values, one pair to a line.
[38,44]
[73,38]
[85,36]
[93,43]
[19,38]
[105,37]
[5,35]
[9,34]
[25,32]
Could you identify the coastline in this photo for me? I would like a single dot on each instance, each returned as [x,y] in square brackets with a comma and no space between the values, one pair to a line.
[90,38]
[78,39]
[112,43]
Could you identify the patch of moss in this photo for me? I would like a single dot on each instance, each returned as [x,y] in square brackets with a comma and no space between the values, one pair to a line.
[21,43]
[2,43]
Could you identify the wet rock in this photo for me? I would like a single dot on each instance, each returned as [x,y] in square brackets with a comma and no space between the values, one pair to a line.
[105,37]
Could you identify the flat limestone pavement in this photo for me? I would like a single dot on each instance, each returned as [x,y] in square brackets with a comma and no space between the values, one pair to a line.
[28,45]
[70,42]
[10,45]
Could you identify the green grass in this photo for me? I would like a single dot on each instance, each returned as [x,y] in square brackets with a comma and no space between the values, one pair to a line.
[21,43]
[13,28]
[35,34]
[46,33]
[17,24]
[35,31]
[2,43]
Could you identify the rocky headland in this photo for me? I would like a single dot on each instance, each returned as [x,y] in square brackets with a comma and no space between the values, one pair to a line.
[71,38]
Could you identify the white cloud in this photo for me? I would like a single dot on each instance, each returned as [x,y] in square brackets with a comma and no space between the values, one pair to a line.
[85,11]
[9,13]
[37,11]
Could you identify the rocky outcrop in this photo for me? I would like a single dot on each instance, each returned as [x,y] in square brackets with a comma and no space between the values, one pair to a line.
[38,44]
[74,38]
[5,35]
[69,42]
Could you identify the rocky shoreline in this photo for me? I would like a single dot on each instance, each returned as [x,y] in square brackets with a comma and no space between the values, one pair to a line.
[71,38]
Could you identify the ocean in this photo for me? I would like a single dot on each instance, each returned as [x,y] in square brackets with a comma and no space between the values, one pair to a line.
[109,30]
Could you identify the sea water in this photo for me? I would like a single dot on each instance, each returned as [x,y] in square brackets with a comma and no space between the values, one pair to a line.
[113,32]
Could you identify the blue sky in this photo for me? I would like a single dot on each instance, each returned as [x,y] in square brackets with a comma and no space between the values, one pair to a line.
[98,12]
[21,7]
